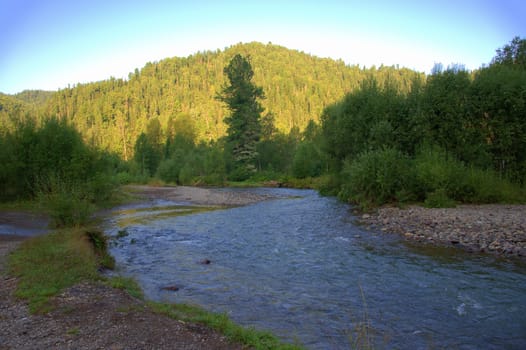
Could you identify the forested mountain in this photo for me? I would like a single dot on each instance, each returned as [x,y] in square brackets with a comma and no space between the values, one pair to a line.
[112,113]
[38,98]
[369,135]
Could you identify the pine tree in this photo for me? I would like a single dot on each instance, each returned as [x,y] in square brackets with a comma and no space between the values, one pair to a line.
[244,123]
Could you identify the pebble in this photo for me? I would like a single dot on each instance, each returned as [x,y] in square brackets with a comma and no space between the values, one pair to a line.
[498,229]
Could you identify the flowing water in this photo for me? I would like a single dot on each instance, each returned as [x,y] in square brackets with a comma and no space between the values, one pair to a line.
[299,267]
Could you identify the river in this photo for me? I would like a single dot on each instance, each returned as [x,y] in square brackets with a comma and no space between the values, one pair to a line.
[299,267]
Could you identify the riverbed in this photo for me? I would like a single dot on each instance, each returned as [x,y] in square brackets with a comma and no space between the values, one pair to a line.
[297,264]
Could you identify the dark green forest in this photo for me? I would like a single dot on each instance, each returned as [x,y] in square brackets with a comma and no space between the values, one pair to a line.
[370,136]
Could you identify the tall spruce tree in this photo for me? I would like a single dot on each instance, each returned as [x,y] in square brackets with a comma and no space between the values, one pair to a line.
[244,123]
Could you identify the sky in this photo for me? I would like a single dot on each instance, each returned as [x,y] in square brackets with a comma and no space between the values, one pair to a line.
[52,44]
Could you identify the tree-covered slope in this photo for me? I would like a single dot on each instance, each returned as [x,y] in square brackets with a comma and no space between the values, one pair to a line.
[112,113]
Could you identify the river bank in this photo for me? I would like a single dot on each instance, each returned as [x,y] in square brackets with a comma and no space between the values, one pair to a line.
[94,315]
[497,228]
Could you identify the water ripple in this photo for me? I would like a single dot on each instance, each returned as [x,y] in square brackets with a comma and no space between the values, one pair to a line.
[300,268]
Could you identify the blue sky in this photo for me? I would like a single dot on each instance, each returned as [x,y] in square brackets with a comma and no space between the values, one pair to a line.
[50,44]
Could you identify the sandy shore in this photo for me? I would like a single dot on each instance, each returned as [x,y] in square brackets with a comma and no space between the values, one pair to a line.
[498,229]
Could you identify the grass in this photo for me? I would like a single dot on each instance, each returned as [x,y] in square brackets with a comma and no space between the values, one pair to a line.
[128,284]
[47,264]
[361,336]
[249,336]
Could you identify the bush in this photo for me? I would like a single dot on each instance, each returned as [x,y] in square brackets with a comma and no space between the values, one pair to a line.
[441,177]
[169,170]
[307,161]
[241,173]
[186,175]
[101,188]
[67,204]
[489,187]
[124,178]
[439,199]
[376,177]
[436,170]
[31,156]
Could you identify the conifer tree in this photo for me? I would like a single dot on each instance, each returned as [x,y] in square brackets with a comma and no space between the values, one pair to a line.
[244,123]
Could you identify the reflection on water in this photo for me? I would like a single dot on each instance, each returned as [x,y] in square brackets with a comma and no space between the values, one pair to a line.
[144,215]
[301,268]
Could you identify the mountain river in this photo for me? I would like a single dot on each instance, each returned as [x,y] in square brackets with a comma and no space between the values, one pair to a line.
[300,267]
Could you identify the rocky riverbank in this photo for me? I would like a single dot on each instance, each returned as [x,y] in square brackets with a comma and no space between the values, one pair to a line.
[497,229]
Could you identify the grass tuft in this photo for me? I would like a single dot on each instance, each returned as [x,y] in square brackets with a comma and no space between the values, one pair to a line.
[253,338]
[127,284]
[45,265]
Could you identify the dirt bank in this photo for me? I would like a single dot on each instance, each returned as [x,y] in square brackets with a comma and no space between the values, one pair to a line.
[93,316]
[497,229]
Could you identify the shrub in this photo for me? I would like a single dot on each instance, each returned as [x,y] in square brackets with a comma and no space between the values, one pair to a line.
[439,199]
[241,173]
[436,170]
[169,170]
[101,187]
[441,176]
[307,161]
[186,174]
[124,178]
[376,177]
[67,204]
[489,187]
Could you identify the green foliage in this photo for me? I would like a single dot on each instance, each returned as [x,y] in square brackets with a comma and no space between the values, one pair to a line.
[67,204]
[146,155]
[244,126]
[464,133]
[35,159]
[307,161]
[369,118]
[489,187]
[512,54]
[499,103]
[99,242]
[439,199]
[376,177]
[445,179]
[436,170]
[249,336]
[111,114]
[158,116]
[277,153]
[128,284]
[45,265]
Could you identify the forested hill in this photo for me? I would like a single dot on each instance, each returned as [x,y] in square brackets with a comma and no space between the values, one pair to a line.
[298,86]
[36,97]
